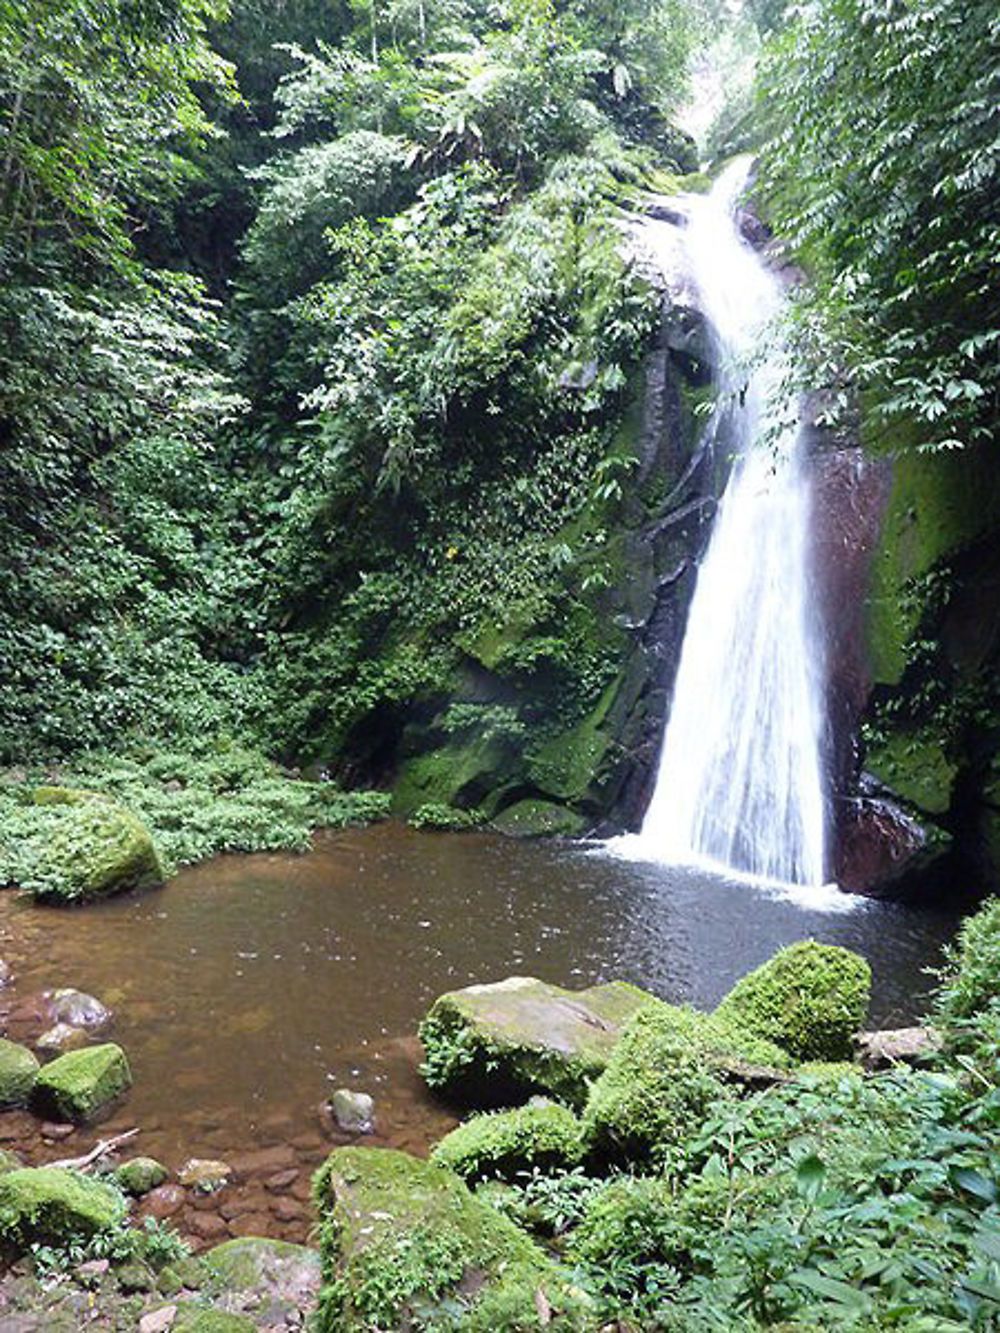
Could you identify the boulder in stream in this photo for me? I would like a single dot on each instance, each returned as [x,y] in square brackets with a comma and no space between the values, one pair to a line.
[401,1236]
[18,1071]
[79,1084]
[140,1175]
[497,1044]
[62,1037]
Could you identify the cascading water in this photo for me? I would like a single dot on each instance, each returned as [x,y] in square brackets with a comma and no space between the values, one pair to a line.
[740,777]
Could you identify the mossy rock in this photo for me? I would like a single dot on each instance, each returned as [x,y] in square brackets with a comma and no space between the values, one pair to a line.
[810,999]
[401,1237]
[280,1275]
[80,1083]
[67,796]
[504,1144]
[97,849]
[915,767]
[140,1175]
[497,1044]
[538,819]
[18,1071]
[51,1206]
[194,1318]
[670,1065]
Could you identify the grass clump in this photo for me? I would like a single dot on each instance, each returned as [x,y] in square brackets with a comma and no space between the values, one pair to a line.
[442,818]
[810,999]
[506,1144]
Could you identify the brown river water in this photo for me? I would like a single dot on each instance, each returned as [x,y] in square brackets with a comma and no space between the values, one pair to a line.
[251,987]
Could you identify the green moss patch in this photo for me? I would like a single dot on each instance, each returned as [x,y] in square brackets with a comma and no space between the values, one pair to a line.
[80,1083]
[810,999]
[497,1044]
[140,1175]
[670,1065]
[400,1237]
[51,1206]
[504,1144]
[18,1071]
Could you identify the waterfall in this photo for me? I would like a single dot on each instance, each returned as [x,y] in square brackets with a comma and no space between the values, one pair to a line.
[740,777]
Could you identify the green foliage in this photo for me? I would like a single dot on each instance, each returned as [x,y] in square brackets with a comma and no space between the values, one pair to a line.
[504,1144]
[222,798]
[883,178]
[969,990]
[433,815]
[91,850]
[810,999]
[151,1243]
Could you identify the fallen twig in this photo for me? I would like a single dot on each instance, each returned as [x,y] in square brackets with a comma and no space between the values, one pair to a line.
[88,1159]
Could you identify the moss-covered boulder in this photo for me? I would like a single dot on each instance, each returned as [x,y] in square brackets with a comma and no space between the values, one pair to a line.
[810,999]
[497,1044]
[401,1237]
[267,1279]
[96,849]
[18,1071]
[79,1084]
[538,819]
[669,1067]
[51,1206]
[140,1175]
[193,1317]
[503,1144]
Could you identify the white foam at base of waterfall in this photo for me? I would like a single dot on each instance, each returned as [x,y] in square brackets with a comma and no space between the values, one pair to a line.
[740,779]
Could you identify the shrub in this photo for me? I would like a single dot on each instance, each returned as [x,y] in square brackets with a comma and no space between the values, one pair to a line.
[810,999]
[970,979]
[505,1144]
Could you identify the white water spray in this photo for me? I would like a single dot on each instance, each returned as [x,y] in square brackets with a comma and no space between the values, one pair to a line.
[740,777]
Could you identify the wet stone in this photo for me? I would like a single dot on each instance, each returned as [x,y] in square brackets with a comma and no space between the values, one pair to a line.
[62,1037]
[50,1130]
[163,1202]
[77,1009]
[250,1224]
[205,1173]
[288,1210]
[282,1180]
[209,1226]
[353,1112]
[264,1161]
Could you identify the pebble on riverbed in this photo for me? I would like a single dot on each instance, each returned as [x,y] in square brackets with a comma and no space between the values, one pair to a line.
[354,1112]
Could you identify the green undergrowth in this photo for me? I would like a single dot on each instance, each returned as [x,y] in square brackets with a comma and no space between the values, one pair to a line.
[826,1199]
[195,804]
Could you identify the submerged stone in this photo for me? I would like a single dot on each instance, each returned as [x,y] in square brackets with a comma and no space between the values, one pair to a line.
[76,1008]
[496,1044]
[77,1085]
[97,849]
[354,1112]
[402,1237]
[18,1071]
[51,1206]
[810,999]
[63,1037]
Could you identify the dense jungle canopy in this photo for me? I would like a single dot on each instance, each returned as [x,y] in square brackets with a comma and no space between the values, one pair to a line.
[317,331]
